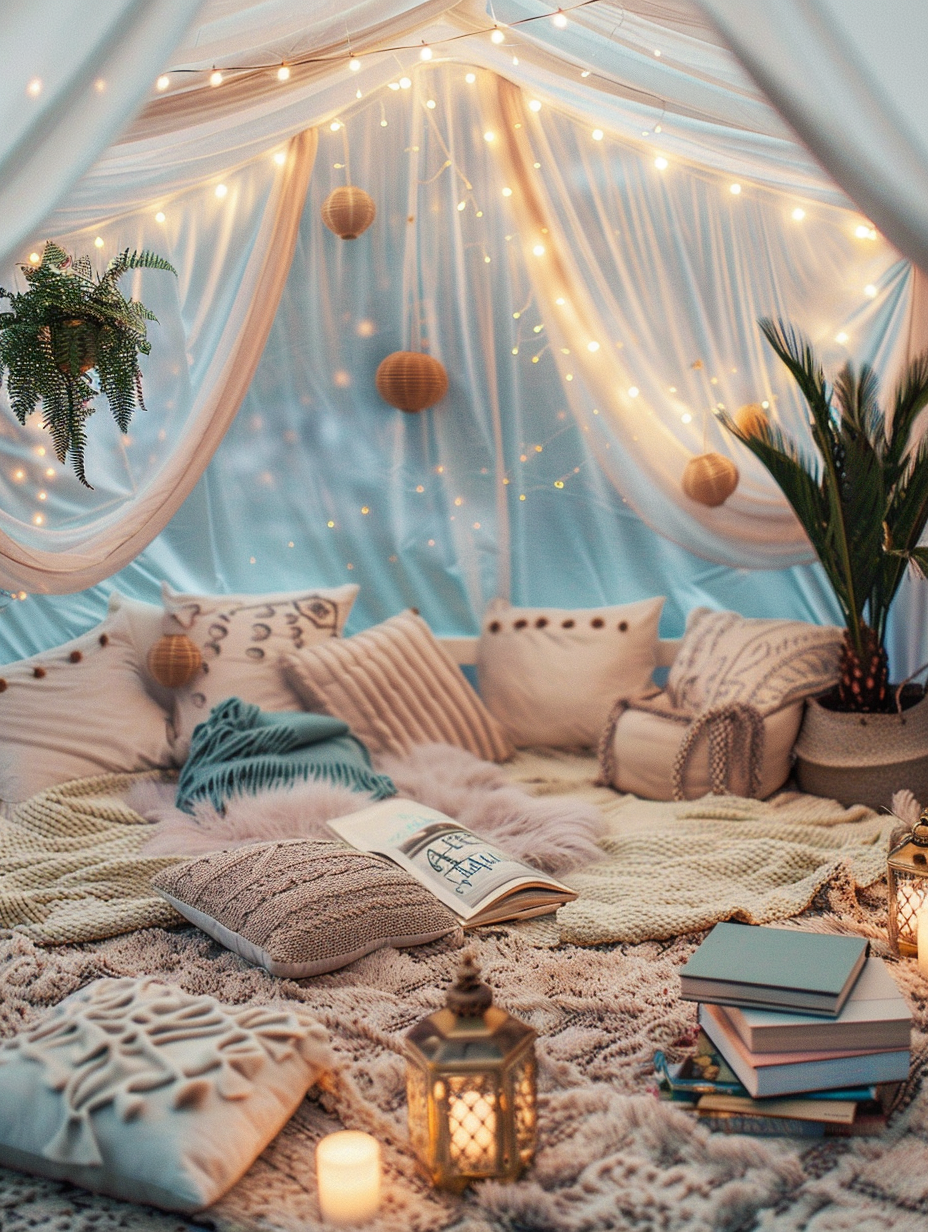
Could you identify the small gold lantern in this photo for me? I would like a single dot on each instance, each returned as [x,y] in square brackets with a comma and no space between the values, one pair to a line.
[907,875]
[470,1081]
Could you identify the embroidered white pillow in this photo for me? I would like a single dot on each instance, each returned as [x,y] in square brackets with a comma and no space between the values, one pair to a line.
[78,710]
[242,639]
[396,686]
[142,1091]
[551,675]
[724,657]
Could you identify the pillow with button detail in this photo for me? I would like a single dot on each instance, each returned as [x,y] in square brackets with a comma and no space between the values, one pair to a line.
[78,710]
[551,675]
[242,639]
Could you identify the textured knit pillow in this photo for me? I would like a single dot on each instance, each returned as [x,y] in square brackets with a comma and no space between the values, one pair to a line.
[552,675]
[242,639]
[396,687]
[136,1089]
[725,658]
[301,907]
[78,710]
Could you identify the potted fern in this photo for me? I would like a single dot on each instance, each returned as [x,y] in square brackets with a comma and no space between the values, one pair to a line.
[65,325]
[862,499]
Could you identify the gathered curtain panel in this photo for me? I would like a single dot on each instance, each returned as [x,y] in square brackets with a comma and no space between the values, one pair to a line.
[849,77]
[73,76]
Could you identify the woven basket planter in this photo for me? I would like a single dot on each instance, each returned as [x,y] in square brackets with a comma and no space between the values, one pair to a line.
[863,758]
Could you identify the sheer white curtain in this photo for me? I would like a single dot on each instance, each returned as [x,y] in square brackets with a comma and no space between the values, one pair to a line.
[849,76]
[73,75]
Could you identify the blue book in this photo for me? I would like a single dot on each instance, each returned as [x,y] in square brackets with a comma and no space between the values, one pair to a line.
[776,968]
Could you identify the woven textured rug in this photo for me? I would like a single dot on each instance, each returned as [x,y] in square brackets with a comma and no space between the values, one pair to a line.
[610,1155]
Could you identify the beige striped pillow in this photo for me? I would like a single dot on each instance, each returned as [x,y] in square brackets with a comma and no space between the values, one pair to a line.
[396,687]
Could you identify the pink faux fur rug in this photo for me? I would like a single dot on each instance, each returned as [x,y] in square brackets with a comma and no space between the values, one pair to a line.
[554,834]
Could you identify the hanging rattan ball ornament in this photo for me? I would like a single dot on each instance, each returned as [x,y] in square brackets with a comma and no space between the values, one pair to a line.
[710,479]
[348,211]
[411,381]
[174,660]
[751,419]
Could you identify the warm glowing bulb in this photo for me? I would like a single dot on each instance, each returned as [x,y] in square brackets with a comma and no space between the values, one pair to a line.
[405,83]
[50,473]
[425,53]
[334,126]
[497,36]
[431,104]
[841,338]
[470,78]
[354,64]
[98,242]
[560,300]
[559,20]
[534,105]
[163,82]
[280,158]
[159,217]
[585,73]
[38,519]
[592,346]
[19,476]
[686,418]
[34,88]
[539,250]
[42,495]
[34,258]
[661,164]
[597,134]
[462,205]
[870,290]
[657,128]
[633,391]
[283,73]
[734,189]
[799,213]
[394,85]
[488,136]
[221,190]
[657,53]
[507,192]
[215,78]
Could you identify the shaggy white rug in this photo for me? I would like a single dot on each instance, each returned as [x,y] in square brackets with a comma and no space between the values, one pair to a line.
[555,834]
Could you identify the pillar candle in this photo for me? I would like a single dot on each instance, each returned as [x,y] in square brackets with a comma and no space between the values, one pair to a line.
[922,939]
[348,1172]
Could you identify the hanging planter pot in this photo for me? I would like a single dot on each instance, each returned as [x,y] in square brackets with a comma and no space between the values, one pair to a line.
[858,758]
[411,381]
[74,345]
[348,211]
[709,479]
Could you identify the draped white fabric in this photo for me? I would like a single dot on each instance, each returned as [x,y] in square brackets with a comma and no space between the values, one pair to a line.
[849,76]
[73,74]
[523,482]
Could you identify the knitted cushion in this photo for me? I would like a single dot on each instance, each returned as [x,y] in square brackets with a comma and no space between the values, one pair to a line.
[241,639]
[551,675]
[136,1089]
[727,658]
[301,907]
[396,687]
[78,710]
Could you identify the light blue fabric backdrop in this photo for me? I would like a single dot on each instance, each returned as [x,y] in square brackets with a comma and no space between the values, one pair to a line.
[319,482]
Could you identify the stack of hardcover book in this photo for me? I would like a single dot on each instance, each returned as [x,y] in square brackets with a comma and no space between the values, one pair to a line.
[801,1033]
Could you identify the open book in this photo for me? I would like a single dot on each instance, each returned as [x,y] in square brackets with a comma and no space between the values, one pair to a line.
[480,883]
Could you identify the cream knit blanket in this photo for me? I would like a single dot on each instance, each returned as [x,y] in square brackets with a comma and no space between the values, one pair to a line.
[676,867]
[70,868]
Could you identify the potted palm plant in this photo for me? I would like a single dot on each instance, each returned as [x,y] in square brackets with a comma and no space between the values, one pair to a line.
[862,499]
[66,324]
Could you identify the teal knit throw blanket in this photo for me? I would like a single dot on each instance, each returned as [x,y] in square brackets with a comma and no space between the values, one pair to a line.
[240,750]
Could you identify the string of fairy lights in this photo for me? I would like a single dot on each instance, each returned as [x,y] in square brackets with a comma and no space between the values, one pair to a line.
[527,452]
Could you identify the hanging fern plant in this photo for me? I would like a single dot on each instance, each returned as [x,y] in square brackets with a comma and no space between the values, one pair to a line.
[66,325]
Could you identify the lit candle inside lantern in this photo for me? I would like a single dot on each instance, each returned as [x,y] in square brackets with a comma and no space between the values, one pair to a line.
[910,901]
[922,937]
[472,1122]
[348,1172]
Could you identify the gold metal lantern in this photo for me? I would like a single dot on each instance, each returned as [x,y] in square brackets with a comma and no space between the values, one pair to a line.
[470,1081]
[907,874]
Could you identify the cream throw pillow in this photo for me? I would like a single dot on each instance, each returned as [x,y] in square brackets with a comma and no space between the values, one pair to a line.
[242,639]
[551,675]
[138,1090]
[396,687]
[300,907]
[724,658]
[78,710]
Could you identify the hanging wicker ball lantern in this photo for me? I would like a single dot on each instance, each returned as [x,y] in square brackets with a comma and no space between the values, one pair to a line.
[348,211]
[411,381]
[174,660]
[751,419]
[710,479]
